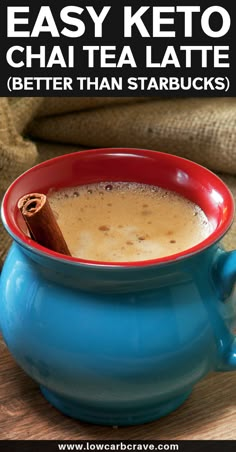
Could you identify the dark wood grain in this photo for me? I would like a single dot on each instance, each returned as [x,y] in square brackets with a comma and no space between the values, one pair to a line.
[209,413]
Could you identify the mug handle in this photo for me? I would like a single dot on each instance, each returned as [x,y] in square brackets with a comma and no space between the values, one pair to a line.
[224,277]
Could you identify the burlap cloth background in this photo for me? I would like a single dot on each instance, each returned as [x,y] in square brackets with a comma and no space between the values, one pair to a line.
[35,129]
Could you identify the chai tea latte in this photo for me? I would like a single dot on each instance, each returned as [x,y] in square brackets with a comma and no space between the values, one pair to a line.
[121,221]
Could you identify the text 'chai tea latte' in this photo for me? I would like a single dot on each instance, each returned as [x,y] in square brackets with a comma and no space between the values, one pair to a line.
[121,221]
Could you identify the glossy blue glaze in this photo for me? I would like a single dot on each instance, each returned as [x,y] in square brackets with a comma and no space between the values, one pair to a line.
[116,345]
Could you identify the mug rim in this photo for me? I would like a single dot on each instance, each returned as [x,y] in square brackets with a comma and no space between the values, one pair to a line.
[20,237]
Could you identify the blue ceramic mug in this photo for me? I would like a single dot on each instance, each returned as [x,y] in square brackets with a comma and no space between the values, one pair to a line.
[120,343]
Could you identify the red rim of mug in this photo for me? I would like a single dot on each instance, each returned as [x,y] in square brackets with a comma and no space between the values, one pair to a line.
[9,216]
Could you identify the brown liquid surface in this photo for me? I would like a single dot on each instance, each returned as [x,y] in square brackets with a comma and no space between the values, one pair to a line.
[120,221]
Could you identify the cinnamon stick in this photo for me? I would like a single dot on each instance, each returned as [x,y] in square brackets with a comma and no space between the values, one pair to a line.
[41,222]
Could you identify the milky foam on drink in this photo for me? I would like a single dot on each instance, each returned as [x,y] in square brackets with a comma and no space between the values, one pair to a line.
[121,221]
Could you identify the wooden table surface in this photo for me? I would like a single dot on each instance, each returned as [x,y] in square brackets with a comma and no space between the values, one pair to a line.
[209,413]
